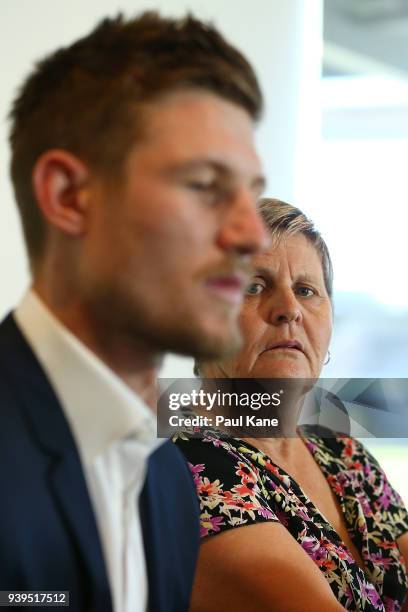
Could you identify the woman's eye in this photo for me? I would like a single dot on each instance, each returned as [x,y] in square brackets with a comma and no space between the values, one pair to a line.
[305,291]
[254,289]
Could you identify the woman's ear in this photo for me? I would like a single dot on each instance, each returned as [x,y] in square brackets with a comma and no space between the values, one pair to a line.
[60,187]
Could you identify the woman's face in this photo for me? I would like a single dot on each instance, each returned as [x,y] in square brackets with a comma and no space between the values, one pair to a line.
[286,317]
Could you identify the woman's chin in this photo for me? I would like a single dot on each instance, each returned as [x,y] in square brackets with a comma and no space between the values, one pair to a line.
[282,368]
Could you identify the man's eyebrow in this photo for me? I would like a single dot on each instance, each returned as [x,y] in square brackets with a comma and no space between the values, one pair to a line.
[198,164]
[258,183]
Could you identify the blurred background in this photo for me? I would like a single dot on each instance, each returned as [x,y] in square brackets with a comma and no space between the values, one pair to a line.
[362,195]
[334,141]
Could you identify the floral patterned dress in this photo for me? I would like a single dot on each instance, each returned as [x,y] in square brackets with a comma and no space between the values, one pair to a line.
[239,485]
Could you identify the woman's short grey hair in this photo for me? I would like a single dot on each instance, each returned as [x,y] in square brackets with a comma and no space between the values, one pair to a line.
[283,219]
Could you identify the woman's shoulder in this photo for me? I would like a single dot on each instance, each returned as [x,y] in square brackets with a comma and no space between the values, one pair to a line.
[228,481]
[219,452]
[358,474]
[349,451]
[347,459]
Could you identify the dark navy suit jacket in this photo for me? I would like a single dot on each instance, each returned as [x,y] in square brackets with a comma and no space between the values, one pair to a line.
[48,534]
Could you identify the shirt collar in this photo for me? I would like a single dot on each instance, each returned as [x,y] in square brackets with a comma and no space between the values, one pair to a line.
[100,408]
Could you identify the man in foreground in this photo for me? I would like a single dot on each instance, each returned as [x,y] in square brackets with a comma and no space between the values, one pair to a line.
[136,178]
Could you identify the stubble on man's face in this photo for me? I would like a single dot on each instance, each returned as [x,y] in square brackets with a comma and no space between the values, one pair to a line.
[169,253]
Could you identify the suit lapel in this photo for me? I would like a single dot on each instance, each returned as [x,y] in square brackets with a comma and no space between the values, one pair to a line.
[51,431]
[74,504]
[170,521]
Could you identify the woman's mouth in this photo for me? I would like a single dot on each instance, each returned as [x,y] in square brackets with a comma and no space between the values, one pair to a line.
[285,345]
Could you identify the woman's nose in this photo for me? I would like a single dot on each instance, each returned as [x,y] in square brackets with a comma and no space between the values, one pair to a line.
[284,308]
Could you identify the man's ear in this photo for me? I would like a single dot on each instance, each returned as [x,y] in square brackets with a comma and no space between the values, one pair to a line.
[60,186]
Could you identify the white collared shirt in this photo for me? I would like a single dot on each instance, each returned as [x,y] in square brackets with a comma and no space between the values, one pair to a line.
[114,431]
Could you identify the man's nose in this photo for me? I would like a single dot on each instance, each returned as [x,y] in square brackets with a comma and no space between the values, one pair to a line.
[243,231]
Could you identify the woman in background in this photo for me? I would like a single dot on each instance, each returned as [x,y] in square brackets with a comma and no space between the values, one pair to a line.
[304,522]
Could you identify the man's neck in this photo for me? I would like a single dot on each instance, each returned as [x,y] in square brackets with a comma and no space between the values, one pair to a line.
[135,363]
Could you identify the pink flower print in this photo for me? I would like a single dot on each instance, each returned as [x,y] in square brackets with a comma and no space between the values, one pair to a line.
[210,524]
[369,592]
[365,505]
[378,559]
[302,513]
[216,522]
[196,470]
[320,554]
[385,498]
[310,545]
[265,513]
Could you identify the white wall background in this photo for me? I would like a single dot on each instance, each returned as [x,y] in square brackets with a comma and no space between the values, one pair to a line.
[282,38]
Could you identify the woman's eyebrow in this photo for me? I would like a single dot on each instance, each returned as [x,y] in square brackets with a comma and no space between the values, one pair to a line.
[269,275]
[266,273]
[307,278]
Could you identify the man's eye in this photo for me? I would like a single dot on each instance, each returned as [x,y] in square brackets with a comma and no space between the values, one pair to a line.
[254,289]
[305,291]
[202,186]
